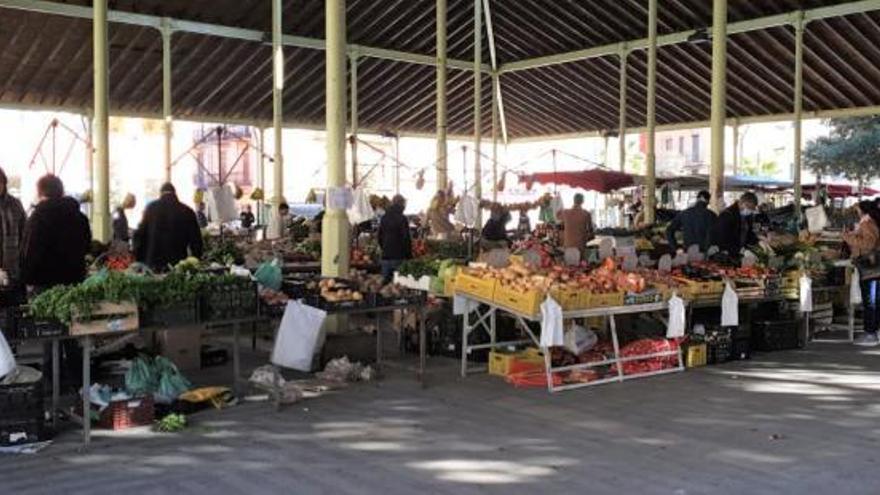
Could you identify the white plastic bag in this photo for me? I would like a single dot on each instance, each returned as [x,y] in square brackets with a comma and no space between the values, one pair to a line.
[466,211]
[462,305]
[298,336]
[606,248]
[578,339]
[749,259]
[729,307]
[7,360]
[221,204]
[572,256]
[817,219]
[552,329]
[855,292]
[665,264]
[806,294]
[675,327]
[360,210]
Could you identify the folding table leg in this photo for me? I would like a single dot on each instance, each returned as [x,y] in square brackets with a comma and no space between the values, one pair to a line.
[423,347]
[87,379]
[56,383]
[236,358]
[612,322]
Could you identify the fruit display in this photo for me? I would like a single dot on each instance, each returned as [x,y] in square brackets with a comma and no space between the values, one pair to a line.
[418,268]
[333,290]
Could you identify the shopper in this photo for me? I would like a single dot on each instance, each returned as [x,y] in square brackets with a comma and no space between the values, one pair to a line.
[735,227]
[56,240]
[394,237]
[524,226]
[12,223]
[494,235]
[438,216]
[168,233]
[577,225]
[201,216]
[864,243]
[696,224]
[247,217]
[120,226]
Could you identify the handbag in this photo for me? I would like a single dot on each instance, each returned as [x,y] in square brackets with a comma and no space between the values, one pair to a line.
[868,265]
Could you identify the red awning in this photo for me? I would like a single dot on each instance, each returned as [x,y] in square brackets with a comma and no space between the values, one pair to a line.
[596,179]
[839,190]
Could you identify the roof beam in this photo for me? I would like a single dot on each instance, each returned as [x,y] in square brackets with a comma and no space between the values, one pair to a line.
[122,17]
[682,36]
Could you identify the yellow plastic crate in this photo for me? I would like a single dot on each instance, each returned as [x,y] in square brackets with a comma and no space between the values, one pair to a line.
[475,286]
[695,355]
[570,300]
[506,363]
[601,300]
[527,303]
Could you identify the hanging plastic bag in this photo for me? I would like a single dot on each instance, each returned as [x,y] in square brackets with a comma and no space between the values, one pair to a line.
[806,298]
[7,360]
[572,256]
[729,307]
[552,327]
[269,274]
[578,339]
[298,336]
[665,264]
[360,210]
[855,292]
[675,326]
[221,204]
[817,219]
[466,211]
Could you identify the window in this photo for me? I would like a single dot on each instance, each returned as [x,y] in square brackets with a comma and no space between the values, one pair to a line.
[681,145]
[669,144]
[695,148]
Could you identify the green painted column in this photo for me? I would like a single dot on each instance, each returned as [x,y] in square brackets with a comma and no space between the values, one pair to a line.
[621,130]
[101,125]
[478,105]
[798,111]
[719,101]
[277,196]
[442,160]
[650,200]
[167,118]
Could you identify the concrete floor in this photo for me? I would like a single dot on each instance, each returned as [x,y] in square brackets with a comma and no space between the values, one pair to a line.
[792,422]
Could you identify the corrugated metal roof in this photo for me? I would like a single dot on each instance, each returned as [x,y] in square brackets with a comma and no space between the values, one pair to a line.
[46,60]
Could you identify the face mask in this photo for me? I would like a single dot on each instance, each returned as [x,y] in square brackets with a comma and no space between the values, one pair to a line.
[746,212]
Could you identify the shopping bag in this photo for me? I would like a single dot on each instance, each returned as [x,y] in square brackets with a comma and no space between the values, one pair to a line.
[855,291]
[806,294]
[817,219]
[7,360]
[269,275]
[466,211]
[552,329]
[729,307]
[298,335]
[360,210]
[579,339]
[675,326]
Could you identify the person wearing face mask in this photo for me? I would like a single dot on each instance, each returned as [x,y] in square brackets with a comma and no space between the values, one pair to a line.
[864,242]
[696,224]
[735,227]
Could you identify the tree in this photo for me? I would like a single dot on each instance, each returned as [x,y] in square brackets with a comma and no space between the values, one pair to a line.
[852,150]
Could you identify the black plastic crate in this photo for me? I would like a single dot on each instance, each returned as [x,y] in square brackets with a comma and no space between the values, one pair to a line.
[179,313]
[22,432]
[228,302]
[719,346]
[21,402]
[741,349]
[770,336]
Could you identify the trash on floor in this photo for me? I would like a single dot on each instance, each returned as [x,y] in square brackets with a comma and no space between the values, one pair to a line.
[343,370]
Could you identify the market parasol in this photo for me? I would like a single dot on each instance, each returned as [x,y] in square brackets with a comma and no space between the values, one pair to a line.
[595,179]
[840,190]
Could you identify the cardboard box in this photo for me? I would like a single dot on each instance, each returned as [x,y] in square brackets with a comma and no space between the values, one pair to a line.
[183,346]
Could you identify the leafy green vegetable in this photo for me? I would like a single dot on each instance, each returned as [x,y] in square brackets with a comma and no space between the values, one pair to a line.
[174,422]
[419,267]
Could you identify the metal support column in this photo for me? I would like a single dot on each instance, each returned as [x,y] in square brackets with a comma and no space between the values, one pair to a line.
[353,120]
[261,173]
[798,111]
[335,231]
[167,118]
[621,131]
[442,162]
[478,100]
[101,126]
[277,104]
[650,200]
[719,100]
[496,88]
[735,146]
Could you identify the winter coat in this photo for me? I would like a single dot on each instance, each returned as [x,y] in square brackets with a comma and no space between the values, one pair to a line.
[733,231]
[394,237]
[12,222]
[696,224]
[56,240]
[168,233]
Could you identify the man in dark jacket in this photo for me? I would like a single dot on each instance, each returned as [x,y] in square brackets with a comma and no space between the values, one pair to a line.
[12,222]
[735,227]
[394,238]
[168,233]
[696,224]
[56,240]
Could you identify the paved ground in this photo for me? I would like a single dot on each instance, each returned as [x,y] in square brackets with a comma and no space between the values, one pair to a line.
[795,422]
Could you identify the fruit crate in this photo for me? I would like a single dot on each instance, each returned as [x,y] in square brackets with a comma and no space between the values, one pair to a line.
[22,413]
[18,325]
[507,363]
[569,299]
[475,286]
[601,300]
[124,414]
[526,303]
[107,317]
[694,354]
[650,296]
[230,301]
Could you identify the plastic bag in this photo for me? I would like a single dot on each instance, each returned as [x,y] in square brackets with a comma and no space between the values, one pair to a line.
[221,204]
[579,339]
[360,210]
[817,219]
[729,307]
[7,360]
[140,377]
[269,275]
[572,256]
[466,211]
[855,292]
[298,336]
[806,294]
[675,326]
[552,329]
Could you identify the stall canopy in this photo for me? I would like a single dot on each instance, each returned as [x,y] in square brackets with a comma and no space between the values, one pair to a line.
[840,190]
[596,179]
[731,183]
